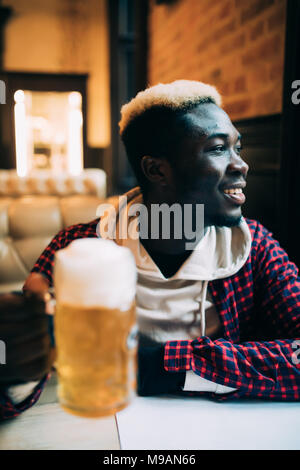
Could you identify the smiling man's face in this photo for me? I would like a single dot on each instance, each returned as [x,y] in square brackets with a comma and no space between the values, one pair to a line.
[209,169]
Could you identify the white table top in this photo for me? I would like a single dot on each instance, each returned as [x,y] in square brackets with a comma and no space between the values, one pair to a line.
[165,422]
[47,426]
[191,423]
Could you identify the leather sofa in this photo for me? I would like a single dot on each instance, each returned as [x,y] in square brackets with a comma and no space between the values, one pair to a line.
[34,209]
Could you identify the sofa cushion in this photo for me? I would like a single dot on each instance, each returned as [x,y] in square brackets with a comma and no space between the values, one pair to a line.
[79,209]
[34,209]
[32,215]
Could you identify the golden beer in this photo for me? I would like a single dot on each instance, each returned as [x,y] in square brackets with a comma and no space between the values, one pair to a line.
[94,328]
[96,368]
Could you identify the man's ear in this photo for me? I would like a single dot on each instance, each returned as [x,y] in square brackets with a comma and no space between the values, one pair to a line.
[156,170]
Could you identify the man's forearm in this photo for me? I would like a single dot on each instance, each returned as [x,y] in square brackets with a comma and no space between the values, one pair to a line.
[10,407]
[254,369]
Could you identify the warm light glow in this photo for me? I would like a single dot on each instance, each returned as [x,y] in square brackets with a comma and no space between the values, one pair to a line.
[20,133]
[75,153]
[19,96]
[75,99]
[48,131]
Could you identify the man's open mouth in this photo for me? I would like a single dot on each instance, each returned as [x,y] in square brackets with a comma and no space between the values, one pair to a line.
[235,195]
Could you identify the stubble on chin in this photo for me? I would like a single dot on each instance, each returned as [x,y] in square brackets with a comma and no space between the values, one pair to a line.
[226,221]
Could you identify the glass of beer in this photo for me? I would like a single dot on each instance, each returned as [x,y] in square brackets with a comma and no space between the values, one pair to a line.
[95,283]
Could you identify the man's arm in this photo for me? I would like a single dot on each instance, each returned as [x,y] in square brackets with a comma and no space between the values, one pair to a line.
[262,369]
[21,392]
[15,398]
[153,379]
[28,359]
[18,395]
[11,408]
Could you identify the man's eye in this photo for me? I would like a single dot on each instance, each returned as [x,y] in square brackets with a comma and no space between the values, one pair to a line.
[218,149]
[238,149]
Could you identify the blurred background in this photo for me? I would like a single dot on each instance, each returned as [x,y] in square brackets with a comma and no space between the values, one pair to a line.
[69,65]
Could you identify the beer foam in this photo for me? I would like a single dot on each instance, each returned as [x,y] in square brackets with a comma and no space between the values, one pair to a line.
[95,272]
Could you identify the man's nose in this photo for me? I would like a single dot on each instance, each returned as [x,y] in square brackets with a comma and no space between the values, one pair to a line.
[237,164]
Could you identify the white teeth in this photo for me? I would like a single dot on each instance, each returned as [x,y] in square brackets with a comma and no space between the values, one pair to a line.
[233,191]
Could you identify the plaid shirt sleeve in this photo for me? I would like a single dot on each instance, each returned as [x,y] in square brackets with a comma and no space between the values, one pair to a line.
[261,369]
[9,410]
[44,265]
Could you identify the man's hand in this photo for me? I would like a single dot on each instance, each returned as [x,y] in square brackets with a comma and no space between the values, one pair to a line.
[36,283]
[152,378]
[24,330]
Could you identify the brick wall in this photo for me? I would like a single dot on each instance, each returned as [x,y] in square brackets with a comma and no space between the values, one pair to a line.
[236,45]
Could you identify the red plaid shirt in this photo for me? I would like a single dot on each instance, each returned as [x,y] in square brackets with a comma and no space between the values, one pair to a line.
[259,307]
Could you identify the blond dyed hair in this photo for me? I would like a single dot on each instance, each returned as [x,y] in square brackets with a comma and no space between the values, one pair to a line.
[177,95]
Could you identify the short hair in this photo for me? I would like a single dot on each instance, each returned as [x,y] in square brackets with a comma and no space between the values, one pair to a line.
[153,122]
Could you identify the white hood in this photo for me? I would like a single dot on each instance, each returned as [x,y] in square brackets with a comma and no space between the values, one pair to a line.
[219,254]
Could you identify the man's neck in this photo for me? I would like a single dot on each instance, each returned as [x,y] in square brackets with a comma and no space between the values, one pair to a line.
[168,264]
[173,244]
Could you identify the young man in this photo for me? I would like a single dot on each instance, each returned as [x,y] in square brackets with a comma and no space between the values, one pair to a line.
[223,318]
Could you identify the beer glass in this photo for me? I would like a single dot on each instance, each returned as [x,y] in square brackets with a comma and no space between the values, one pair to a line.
[95,282]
